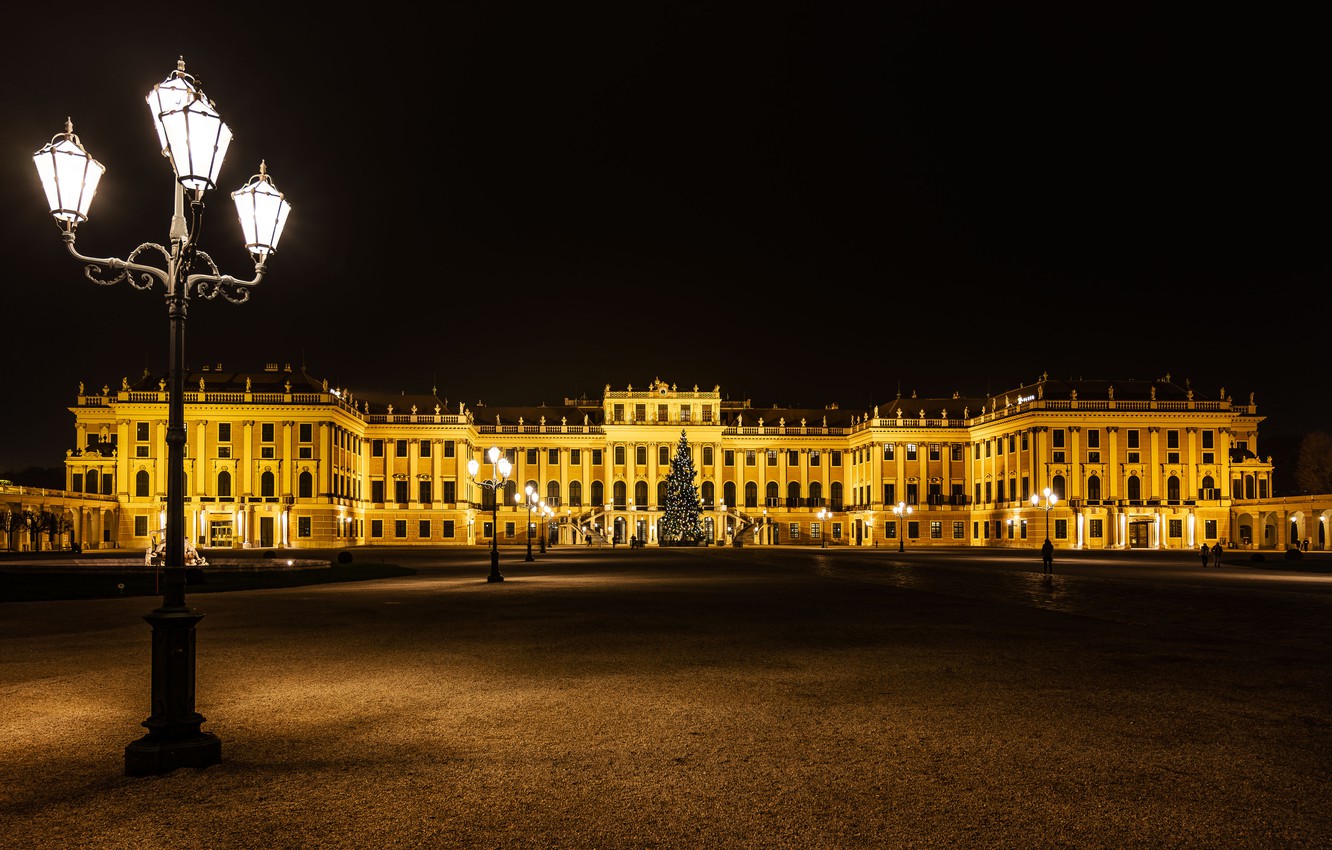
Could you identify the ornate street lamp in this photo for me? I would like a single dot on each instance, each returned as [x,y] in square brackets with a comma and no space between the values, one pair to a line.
[545,512]
[195,140]
[825,516]
[531,501]
[500,469]
[1050,499]
[901,509]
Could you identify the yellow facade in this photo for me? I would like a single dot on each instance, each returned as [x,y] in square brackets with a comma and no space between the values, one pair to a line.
[277,458]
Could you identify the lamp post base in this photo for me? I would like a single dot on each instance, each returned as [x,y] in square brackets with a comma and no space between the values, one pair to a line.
[494,567]
[174,739]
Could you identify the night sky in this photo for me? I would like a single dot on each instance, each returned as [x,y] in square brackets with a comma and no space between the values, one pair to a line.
[803,203]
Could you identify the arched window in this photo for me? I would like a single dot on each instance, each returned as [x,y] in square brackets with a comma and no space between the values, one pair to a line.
[306,485]
[706,492]
[1134,488]
[90,481]
[141,483]
[773,494]
[576,494]
[751,494]
[1057,486]
[641,494]
[815,493]
[621,495]
[793,494]
[1248,487]
[266,484]
[598,494]
[224,485]
[836,491]
[1208,483]
[661,493]
[510,490]
[552,493]
[1094,488]
[728,493]
[1172,488]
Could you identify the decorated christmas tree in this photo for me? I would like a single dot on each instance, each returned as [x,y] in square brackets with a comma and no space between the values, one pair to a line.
[680,519]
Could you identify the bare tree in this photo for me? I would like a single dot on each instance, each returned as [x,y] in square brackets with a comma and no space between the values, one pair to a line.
[1313,473]
[11,521]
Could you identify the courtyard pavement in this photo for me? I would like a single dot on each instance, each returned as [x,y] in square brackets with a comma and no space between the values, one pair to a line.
[699,698]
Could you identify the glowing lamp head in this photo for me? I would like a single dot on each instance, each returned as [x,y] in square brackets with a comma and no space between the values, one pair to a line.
[190,129]
[69,177]
[262,211]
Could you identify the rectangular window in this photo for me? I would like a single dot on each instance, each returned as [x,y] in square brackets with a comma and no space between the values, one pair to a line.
[1209,529]
[1057,457]
[890,531]
[400,448]
[224,432]
[425,492]
[999,446]
[509,530]
[619,455]
[1093,439]
[376,448]
[553,457]
[446,529]
[1094,529]
[306,432]
[793,531]
[936,530]
[728,455]
[596,457]
[377,527]
[305,452]
[1061,529]
[911,452]
[1057,438]
[141,431]
[1208,440]
[400,491]
[141,451]
[959,529]
[1177,528]
[1024,529]
[934,451]
[224,451]
[266,452]
[815,531]
[141,526]
[423,529]
[400,528]
[707,413]
[793,457]
[912,493]
[266,432]
[684,413]
[1172,457]
[889,493]
[575,457]
[1135,457]
[707,455]
[1208,457]
[302,526]
[1012,443]
[531,457]
[640,455]
[640,412]
[772,457]
[377,491]
[1093,457]
[618,413]
[751,458]
[955,451]
[1133,438]
[76,483]
[449,492]
[1024,441]
[1172,439]
[1010,529]
[663,413]
[423,448]
[448,448]
[913,530]
[836,458]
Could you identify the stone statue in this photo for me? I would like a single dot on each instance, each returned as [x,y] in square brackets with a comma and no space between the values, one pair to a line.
[247,384]
[80,387]
[390,410]
[876,411]
[413,410]
[1073,395]
[287,384]
[437,409]
[1153,393]
[1112,392]
[124,385]
[161,385]
[201,384]
[1040,390]
[585,416]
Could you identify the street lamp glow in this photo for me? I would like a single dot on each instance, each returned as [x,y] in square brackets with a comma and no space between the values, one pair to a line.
[1050,500]
[500,469]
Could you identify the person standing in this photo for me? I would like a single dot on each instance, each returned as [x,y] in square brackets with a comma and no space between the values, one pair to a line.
[1216,554]
[1206,551]
[1047,557]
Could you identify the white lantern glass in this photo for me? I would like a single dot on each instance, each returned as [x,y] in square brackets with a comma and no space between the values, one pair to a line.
[262,211]
[69,176]
[190,129]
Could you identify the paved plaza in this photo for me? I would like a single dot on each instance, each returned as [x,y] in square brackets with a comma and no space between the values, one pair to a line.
[699,698]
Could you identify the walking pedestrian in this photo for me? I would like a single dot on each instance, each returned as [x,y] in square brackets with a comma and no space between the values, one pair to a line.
[1216,554]
[1206,551]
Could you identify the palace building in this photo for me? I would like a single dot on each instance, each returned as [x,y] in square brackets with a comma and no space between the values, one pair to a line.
[278,458]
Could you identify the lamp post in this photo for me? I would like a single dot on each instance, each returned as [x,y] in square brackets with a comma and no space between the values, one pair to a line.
[500,469]
[195,140]
[901,509]
[1045,500]
[824,515]
[531,500]
[545,512]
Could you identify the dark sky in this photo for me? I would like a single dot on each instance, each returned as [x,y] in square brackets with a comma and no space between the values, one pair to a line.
[804,203]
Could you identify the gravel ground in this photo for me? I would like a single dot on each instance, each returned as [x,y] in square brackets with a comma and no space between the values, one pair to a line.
[719,698]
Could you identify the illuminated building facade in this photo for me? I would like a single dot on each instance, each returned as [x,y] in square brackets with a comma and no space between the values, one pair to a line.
[277,458]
